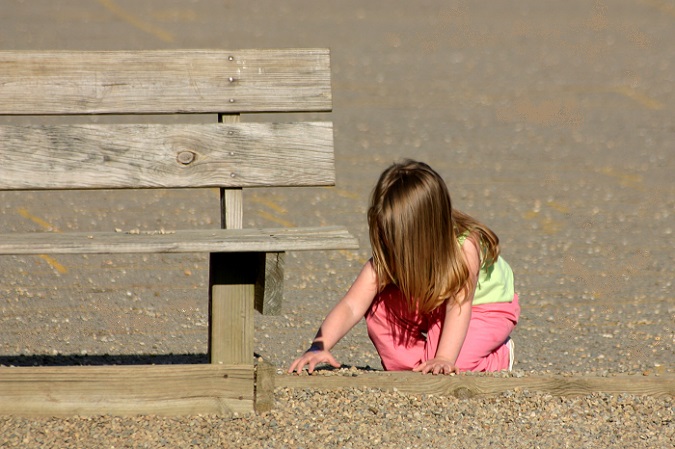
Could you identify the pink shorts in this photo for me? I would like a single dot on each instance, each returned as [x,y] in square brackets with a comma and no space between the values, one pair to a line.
[404,339]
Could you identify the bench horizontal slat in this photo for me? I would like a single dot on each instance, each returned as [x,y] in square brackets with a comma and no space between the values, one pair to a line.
[166,156]
[165,81]
[182,241]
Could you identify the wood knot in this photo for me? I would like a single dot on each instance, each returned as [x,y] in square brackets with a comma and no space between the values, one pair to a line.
[463,393]
[185,157]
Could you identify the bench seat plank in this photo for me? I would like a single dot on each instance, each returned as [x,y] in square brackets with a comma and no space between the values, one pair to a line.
[164,81]
[90,156]
[182,241]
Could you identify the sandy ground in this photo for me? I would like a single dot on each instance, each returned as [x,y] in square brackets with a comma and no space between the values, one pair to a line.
[553,123]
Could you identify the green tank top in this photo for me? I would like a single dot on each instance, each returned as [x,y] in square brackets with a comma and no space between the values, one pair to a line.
[495,283]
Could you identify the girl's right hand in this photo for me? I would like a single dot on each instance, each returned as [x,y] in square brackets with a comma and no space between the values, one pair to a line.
[312,358]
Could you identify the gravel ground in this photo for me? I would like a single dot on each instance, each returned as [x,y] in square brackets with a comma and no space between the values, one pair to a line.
[551,122]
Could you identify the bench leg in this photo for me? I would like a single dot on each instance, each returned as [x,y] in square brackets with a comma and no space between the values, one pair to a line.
[232,279]
[270,287]
[231,339]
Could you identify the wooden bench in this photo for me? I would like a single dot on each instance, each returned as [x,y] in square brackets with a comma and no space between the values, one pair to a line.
[245,264]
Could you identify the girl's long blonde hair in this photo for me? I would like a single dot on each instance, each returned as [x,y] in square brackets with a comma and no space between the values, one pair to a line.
[413,234]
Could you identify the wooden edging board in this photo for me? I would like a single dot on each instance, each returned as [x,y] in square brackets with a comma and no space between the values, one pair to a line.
[467,386]
[167,390]
[226,390]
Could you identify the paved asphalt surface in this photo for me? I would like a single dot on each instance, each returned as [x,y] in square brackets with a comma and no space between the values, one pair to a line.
[551,121]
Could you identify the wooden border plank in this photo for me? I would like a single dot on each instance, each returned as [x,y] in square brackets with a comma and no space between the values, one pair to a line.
[95,156]
[186,81]
[466,386]
[167,390]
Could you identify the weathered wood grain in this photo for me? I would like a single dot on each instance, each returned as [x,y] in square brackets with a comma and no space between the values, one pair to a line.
[264,386]
[232,279]
[469,386]
[231,324]
[268,299]
[170,81]
[163,156]
[181,241]
[228,155]
[232,283]
[126,390]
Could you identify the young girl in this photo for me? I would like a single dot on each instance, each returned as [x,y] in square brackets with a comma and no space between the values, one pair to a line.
[436,295]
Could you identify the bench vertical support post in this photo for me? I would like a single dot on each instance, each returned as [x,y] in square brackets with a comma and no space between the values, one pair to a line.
[231,294]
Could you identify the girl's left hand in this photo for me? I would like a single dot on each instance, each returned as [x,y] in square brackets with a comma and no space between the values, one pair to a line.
[312,358]
[437,365]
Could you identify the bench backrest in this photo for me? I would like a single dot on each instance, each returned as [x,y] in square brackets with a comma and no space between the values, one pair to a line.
[226,155]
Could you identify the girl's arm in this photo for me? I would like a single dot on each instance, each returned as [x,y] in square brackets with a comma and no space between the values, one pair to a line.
[457,317]
[344,316]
